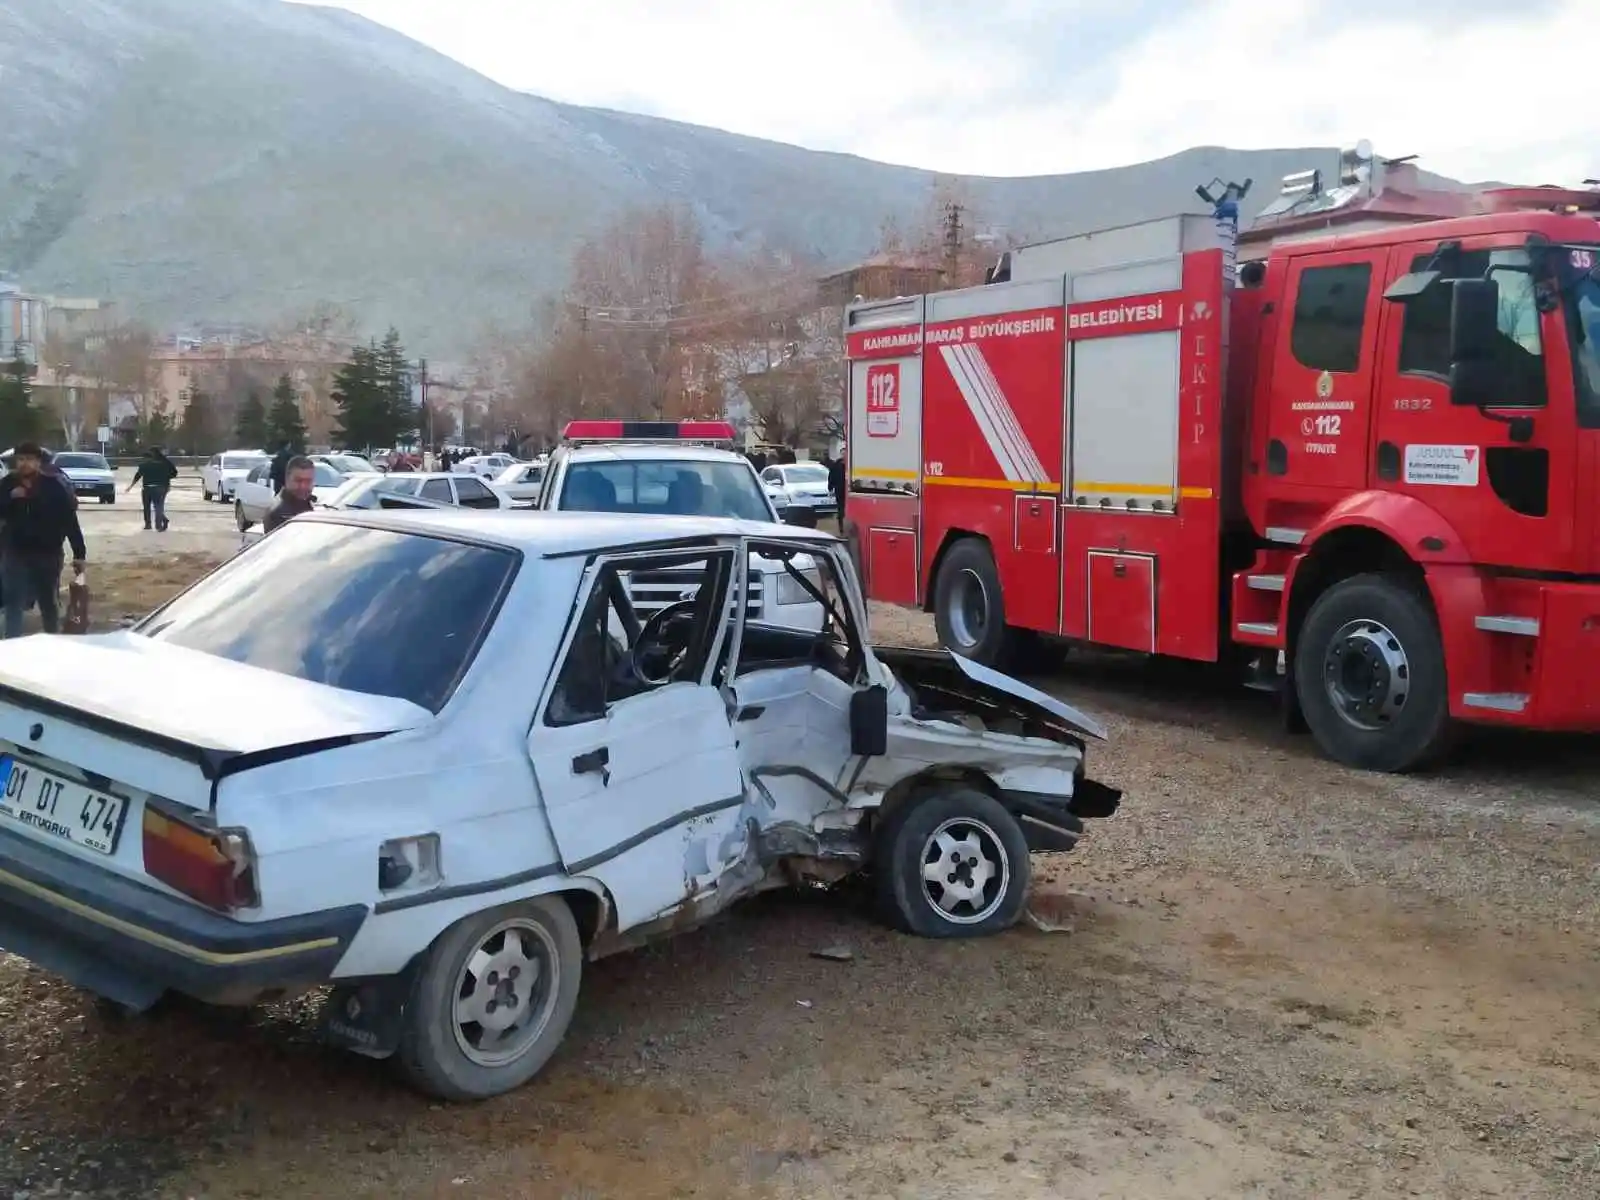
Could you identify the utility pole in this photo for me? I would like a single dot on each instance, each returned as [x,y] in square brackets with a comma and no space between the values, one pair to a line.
[583,352]
[952,243]
[422,379]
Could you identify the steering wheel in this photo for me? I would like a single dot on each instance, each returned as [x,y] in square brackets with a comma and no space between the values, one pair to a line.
[659,642]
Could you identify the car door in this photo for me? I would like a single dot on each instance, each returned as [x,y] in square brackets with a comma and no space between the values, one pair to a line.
[641,785]
[792,690]
[253,493]
[437,489]
[212,474]
[472,492]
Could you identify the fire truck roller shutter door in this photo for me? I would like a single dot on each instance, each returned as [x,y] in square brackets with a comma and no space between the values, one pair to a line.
[1124,328]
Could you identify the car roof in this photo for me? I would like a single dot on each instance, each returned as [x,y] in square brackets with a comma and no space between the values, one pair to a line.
[553,534]
[651,452]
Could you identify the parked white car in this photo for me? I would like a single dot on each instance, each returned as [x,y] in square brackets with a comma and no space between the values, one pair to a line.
[88,473]
[523,482]
[800,485]
[223,471]
[461,765]
[401,491]
[463,491]
[669,468]
[347,464]
[485,466]
[253,495]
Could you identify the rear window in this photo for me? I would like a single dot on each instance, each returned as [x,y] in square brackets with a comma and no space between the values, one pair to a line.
[243,462]
[369,610]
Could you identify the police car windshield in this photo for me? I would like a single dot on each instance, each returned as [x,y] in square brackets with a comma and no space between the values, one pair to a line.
[674,488]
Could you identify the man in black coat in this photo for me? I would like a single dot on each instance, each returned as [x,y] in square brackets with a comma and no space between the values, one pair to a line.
[280,467]
[40,513]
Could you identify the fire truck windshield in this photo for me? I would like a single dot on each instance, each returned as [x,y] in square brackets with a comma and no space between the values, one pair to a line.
[1583,328]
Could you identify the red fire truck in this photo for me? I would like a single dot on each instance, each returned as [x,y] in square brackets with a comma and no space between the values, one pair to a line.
[1367,466]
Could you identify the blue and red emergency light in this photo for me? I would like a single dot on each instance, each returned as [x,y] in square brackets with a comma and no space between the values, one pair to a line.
[649,431]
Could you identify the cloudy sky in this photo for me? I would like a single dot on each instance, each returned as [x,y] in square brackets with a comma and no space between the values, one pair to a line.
[1480,89]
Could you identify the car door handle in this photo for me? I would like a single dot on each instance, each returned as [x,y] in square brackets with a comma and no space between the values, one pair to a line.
[752,713]
[592,762]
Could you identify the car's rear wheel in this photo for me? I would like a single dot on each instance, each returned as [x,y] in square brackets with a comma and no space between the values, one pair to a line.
[205,493]
[952,865]
[492,1000]
[239,518]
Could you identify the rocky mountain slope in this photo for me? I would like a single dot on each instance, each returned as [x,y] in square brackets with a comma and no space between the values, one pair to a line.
[244,160]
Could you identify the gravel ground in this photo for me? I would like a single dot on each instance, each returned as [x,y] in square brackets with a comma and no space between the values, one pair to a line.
[1267,977]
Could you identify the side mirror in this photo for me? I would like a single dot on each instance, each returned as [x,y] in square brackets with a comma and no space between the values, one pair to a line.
[1474,383]
[802,515]
[1474,328]
[869,722]
[1474,319]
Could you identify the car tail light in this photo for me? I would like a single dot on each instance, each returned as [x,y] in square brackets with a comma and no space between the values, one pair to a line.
[215,867]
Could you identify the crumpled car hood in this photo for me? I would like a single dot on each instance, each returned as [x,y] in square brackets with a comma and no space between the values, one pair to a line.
[939,680]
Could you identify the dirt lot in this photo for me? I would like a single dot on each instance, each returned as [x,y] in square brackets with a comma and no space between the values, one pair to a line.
[1276,978]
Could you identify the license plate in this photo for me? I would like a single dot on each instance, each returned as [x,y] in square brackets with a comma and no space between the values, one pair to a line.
[64,809]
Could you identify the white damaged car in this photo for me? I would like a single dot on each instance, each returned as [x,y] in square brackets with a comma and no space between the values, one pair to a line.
[454,765]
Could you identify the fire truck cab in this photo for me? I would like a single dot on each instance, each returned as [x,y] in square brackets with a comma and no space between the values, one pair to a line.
[1368,464]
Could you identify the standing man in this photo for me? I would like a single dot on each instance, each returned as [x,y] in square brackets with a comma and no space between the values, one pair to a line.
[295,498]
[39,514]
[156,472]
[280,466]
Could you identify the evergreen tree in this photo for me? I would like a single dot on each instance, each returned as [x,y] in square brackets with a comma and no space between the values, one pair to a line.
[250,428]
[155,429]
[359,398]
[20,420]
[394,382]
[284,424]
[197,428]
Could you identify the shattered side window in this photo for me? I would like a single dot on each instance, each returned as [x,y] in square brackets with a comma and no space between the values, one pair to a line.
[605,662]
[580,692]
[811,579]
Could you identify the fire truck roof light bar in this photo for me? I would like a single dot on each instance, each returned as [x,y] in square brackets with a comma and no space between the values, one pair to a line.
[649,431]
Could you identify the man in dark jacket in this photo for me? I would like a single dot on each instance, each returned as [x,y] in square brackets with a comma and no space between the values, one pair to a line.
[280,466]
[156,472]
[295,498]
[39,514]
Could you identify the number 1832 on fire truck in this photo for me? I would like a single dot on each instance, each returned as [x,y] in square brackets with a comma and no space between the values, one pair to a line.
[1367,466]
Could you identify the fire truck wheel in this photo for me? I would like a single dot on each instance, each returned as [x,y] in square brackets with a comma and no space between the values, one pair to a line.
[952,865]
[968,608]
[1370,675]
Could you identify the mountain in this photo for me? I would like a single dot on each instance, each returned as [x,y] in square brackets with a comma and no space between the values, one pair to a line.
[244,160]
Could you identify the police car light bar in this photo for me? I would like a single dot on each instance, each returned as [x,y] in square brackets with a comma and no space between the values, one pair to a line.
[649,431]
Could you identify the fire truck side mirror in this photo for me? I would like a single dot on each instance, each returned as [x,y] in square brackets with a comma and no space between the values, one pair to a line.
[1474,329]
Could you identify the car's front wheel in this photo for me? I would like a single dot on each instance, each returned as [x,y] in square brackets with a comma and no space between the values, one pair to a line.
[492,1000]
[953,864]
[239,518]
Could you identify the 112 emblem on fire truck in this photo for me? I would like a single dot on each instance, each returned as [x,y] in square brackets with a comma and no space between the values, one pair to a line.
[883,400]
[1324,385]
